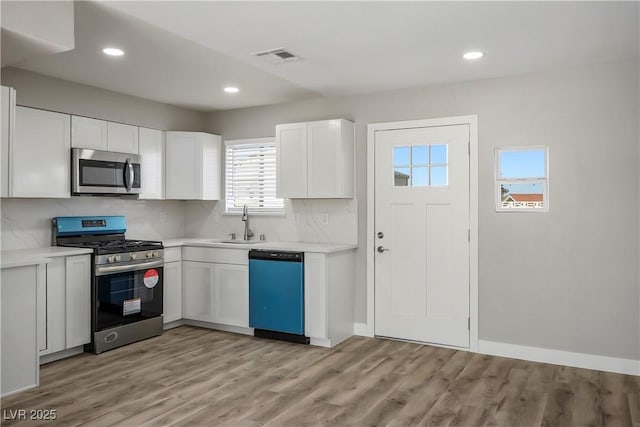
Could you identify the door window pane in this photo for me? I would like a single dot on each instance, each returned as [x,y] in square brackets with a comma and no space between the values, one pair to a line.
[420,166]
[438,154]
[402,156]
[401,177]
[438,175]
[419,155]
[420,177]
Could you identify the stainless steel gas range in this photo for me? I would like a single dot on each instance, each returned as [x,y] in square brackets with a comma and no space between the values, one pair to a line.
[126,281]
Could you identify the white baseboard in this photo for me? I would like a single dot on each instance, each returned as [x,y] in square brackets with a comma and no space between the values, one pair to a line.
[48,358]
[361,329]
[560,357]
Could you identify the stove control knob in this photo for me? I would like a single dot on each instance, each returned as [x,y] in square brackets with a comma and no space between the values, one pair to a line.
[134,256]
[110,258]
[118,258]
[156,254]
[149,254]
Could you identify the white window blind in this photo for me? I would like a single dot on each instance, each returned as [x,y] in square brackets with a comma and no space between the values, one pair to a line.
[250,176]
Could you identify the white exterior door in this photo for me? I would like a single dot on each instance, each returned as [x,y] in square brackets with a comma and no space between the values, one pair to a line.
[422,234]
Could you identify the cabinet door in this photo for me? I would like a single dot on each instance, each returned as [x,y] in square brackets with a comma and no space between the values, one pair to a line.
[197,291]
[78,300]
[231,294]
[172,292]
[183,166]
[54,314]
[8,112]
[315,295]
[19,352]
[211,167]
[122,138]
[151,148]
[40,154]
[324,159]
[88,133]
[291,160]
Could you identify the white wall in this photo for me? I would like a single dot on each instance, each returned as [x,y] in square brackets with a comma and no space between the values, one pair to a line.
[567,279]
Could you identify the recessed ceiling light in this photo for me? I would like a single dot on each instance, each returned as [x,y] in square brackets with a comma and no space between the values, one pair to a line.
[231,89]
[473,55]
[113,51]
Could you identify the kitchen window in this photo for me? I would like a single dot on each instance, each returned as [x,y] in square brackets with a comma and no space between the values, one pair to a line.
[250,176]
[522,179]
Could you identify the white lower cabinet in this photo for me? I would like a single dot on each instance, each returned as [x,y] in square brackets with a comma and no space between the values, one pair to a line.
[78,300]
[172,292]
[19,344]
[64,304]
[197,291]
[231,294]
[329,296]
[216,286]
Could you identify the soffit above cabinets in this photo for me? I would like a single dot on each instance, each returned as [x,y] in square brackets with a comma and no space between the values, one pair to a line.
[185,52]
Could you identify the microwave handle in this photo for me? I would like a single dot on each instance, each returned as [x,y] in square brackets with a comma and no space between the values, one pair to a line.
[128,174]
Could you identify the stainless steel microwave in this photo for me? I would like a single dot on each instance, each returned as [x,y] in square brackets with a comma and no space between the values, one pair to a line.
[104,173]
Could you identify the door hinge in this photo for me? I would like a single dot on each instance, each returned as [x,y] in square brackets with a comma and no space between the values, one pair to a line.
[468,323]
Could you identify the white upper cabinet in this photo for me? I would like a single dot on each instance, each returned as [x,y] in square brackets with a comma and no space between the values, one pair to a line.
[103,135]
[40,154]
[192,166]
[151,148]
[315,159]
[122,138]
[88,133]
[291,160]
[8,111]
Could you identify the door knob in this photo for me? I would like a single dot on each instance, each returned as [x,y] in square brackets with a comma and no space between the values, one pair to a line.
[381,249]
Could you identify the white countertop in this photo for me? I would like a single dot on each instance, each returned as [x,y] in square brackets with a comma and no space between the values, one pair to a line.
[285,246]
[34,256]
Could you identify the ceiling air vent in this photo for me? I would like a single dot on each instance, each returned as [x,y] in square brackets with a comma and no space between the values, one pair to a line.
[277,56]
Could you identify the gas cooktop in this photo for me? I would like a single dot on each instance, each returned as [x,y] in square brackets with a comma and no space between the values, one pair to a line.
[102,247]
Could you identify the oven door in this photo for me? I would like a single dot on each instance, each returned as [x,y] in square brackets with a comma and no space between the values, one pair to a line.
[127,294]
[103,172]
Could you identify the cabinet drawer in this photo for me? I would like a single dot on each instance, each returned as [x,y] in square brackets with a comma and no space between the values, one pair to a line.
[224,256]
[172,254]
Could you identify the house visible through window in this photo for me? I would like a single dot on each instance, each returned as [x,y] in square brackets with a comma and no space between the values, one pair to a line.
[521,179]
[250,176]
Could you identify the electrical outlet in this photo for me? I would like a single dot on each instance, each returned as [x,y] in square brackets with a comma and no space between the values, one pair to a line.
[325,218]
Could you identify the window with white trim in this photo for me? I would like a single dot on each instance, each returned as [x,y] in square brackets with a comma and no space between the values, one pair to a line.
[250,176]
[522,179]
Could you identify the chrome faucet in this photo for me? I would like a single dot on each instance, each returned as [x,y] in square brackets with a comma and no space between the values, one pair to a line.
[248,234]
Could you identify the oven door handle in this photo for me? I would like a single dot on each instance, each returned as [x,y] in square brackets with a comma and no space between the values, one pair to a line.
[110,269]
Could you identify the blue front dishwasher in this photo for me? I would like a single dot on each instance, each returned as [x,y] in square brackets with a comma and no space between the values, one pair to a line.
[276,295]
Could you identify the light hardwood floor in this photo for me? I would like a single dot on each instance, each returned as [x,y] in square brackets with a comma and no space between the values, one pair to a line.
[198,377]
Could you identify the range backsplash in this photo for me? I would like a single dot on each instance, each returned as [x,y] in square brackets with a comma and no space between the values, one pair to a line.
[26,223]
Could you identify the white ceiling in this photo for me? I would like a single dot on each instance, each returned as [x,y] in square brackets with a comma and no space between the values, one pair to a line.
[185,52]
